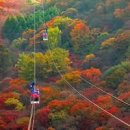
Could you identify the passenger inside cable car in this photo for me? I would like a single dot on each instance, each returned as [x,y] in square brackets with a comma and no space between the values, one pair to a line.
[35,94]
[45,35]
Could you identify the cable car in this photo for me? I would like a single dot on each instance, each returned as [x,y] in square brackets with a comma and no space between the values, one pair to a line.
[45,35]
[35,97]
[35,94]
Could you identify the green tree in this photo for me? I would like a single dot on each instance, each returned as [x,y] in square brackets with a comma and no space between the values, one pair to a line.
[61,115]
[54,37]
[15,25]
[19,43]
[82,38]
[70,12]
[25,64]
[115,75]
[5,61]
[47,64]
[63,23]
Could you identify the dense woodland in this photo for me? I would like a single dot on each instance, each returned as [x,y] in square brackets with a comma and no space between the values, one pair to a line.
[88,50]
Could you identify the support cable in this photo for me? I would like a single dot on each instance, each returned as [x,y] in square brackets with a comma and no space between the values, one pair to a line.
[93,85]
[30,119]
[33,120]
[84,97]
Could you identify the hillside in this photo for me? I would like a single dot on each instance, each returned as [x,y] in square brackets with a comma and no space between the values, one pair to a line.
[13,8]
[82,71]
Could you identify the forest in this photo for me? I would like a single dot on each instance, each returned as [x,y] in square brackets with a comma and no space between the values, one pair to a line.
[82,70]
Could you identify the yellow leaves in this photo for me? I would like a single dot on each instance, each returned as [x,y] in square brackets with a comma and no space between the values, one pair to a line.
[14,102]
[22,121]
[62,20]
[58,21]
[54,37]
[72,77]
[39,56]
[44,63]
[89,57]
[108,42]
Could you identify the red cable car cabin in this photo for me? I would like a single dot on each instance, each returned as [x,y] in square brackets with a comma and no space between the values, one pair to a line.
[35,98]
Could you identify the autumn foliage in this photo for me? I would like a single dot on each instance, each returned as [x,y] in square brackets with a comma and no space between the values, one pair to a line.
[92,74]
[73,77]
[42,116]
[80,68]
